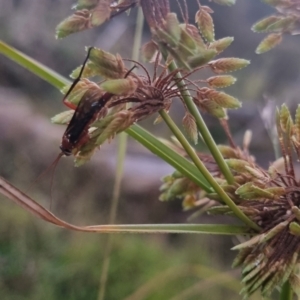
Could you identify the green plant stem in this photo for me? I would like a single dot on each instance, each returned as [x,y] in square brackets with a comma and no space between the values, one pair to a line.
[122,139]
[138,35]
[179,162]
[122,147]
[202,126]
[194,157]
[286,292]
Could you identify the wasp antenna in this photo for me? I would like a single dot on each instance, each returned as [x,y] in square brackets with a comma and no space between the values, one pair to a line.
[137,64]
[156,66]
[79,76]
[52,165]
[130,70]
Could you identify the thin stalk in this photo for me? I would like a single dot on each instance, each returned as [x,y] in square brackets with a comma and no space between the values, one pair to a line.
[138,35]
[122,147]
[286,292]
[201,167]
[122,141]
[202,126]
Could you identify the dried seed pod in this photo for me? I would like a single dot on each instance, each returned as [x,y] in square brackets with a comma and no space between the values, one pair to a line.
[221,98]
[125,86]
[119,122]
[284,117]
[108,65]
[178,187]
[211,107]
[101,13]
[221,81]
[149,51]
[269,42]
[256,173]
[162,36]
[189,201]
[202,58]
[77,22]
[224,65]
[80,89]
[205,23]
[187,40]
[89,71]
[172,27]
[283,24]
[101,124]
[221,44]
[190,127]
[297,123]
[227,151]
[246,191]
[237,165]
[84,156]
[194,33]
[262,25]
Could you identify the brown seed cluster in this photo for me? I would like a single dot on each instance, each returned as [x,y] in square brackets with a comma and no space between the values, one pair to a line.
[271,198]
[285,21]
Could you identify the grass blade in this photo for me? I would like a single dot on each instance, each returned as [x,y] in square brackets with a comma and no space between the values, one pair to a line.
[33,66]
[27,203]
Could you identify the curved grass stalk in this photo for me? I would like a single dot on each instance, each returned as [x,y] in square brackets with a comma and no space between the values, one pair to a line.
[27,203]
[122,146]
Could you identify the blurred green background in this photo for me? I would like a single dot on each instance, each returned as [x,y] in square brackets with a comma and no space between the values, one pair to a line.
[40,261]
